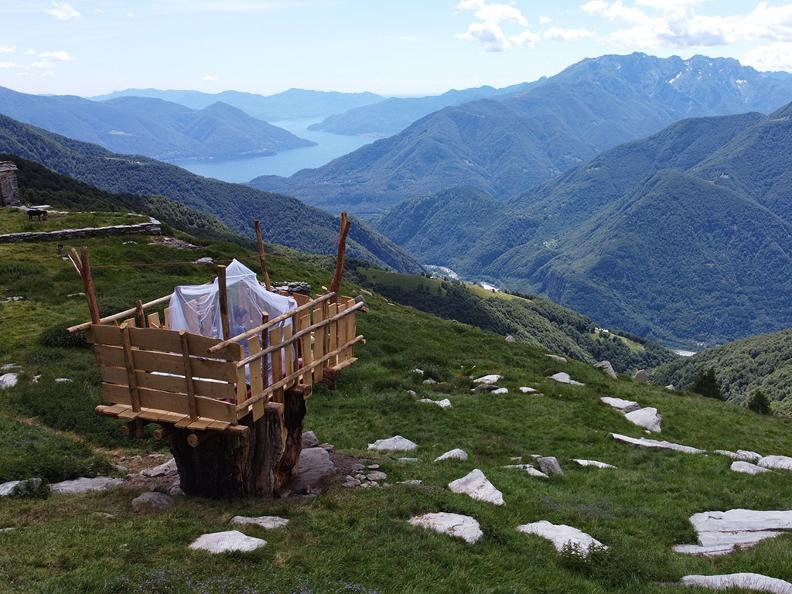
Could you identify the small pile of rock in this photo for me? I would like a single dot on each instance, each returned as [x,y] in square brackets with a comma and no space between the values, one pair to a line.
[292,287]
[364,476]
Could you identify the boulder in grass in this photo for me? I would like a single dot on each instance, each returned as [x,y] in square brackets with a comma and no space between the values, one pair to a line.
[309,440]
[594,463]
[445,403]
[562,536]
[722,532]
[168,468]
[457,525]
[641,376]
[607,369]
[528,390]
[393,444]
[500,391]
[493,378]
[755,582]
[24,488]
[8,380]
[747,468]
[564,378]
[86,485]
[151,502]
[314,467]
[229,541]
[455,454]
[476,486]
[776,462]
[623,406]
[648,418]
[746,455]
[528,469]
[557,358]
[549,465]
[654,443]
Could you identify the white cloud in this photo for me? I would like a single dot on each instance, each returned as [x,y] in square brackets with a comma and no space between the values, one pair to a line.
[545,19]
[7,65]
[771,57]
[209,77]
[60,55]
[527,38]
[42,65]
[30,52]
[7,49]
[488,34]
[63,11]
[493,12]
[677,24]
[562,34]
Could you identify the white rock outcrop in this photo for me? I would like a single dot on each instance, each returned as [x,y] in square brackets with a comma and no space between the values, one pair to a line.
[488,379]
[476,486]
[165,469]
[755,582]
[500,391]
[444,403]
[620,404]
[563,377]
[776,462]
[648,418]
[396,443]
[562,536]
[746,455]
[455,454]
[268,522]
[8,380]
[558,358]
[227,542]
[594,463]
[747,468]
[457,525]
[607,369]
[719,532]
[528,390]
[653,443]
[85,485]
[529,469]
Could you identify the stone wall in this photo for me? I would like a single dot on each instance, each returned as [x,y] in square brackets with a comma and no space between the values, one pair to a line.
[150,228]
[9,191]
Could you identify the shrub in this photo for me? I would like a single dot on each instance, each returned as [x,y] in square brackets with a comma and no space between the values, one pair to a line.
[760,404]
[56,336]
[707,384]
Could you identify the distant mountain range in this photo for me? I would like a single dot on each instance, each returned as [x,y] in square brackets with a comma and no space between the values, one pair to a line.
[288,105]
[286,221]
[683,236]
[151,127]
[508,145]
[395,114]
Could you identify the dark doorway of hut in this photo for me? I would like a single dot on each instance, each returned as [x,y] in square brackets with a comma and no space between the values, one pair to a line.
[230,405]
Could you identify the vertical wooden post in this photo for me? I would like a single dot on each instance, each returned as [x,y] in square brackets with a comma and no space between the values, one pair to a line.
[185,349]
[82,263]
[221,283]
[140,314]
[129,363]
[342,236]
[262,255]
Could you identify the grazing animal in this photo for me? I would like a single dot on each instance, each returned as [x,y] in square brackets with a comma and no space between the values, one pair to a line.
[37,213]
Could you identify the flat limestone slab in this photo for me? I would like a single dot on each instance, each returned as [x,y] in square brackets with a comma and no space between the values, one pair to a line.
[720,532]
[444,403]
[620,404]
[528,390]
[457,525]
[455,454]
[746,455]
[776,462]
[594,463]
[476,486]
[86,485]
[747,467]
[393,444]
[562,535]
[648,418]
[8,380]
[227,542]
[165,469]
[653,443]
[743,581]
[529,469]
[268,522]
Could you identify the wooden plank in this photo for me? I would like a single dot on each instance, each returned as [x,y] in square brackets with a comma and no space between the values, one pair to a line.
[167,314]
[154,320]
[351,327]
[301,299]
[288,353]
[332,331]
[342,332]
[256,375]
[119,315]
[169,341]
[223,295]
[167,363]
[277,362]
[169,383]
[171,402]
[140,315]
[306,352]
[130,370]
[318,344]
[192,408]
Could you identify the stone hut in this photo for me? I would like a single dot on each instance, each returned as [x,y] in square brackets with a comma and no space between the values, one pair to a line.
[9,190]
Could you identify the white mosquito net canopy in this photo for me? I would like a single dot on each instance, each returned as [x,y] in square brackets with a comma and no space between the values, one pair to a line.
[196,308]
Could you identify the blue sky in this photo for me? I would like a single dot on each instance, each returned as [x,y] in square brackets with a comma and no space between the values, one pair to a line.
[403,47]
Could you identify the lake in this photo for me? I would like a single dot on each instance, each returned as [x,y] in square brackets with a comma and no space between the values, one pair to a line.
[328,147]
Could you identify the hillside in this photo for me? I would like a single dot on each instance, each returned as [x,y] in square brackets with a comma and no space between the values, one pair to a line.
[393,115]
[707,195]
[286,221]
[760,363]
[532,320]
[288,105]
[347,539]
[507,145]
[151,127]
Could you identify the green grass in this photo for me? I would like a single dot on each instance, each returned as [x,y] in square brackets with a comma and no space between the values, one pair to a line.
[16,221]
[359,540]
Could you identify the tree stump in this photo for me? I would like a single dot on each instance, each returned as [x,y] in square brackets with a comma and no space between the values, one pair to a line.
[259,463]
